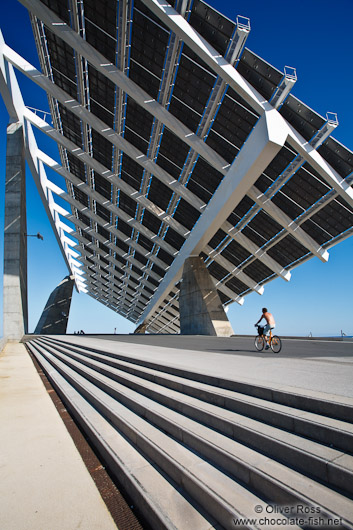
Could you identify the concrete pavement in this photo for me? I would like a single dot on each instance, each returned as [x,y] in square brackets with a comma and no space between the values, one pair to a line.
[308,365]
[43,481]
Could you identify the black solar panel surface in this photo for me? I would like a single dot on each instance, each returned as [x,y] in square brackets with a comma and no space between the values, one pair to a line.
[187,99]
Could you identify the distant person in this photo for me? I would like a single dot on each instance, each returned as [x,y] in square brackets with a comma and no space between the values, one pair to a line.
[270,323]
[82,332]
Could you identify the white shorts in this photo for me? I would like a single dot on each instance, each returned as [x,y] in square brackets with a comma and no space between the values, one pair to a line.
[267,329]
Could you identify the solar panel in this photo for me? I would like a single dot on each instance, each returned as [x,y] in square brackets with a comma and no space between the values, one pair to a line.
[168,125]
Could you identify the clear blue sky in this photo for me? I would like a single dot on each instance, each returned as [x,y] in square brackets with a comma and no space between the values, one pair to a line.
[314,36]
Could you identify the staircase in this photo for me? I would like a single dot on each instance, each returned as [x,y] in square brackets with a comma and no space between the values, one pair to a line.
[196,452]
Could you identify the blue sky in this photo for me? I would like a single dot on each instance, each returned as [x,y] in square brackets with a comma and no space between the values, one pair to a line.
[316,38]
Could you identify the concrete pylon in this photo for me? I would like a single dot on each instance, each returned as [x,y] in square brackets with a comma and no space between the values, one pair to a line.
[56,312]
[141,329]
[15,239]
[201,310]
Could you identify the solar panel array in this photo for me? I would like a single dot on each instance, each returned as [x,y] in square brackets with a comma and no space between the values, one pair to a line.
[130,230]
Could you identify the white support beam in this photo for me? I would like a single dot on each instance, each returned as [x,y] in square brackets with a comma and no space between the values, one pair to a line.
[9,88]
[233,53]
[114,288]
[96,59]
[123,215]
[207,53]
[77,182]
[324,132]
[261,255]
[160,322]
[291,227]
[109,298]
[118,251]
[11,94]
[100,285]
[288,81]
[111,270]
[110,259]
[231,294]
[233,270]
[170,309]
[263,144]
[126,188]
[102,128]
[330,175]
[98,198]
[315,142]
[80,224]
[166,324]
[50,206]
[241,34]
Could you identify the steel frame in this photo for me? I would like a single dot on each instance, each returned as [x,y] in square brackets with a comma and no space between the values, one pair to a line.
[267,138]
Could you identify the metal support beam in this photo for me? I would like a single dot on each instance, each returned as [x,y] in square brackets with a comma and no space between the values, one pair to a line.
[284,220]
[207,53]
[263,144]
[96,59]
[288,81]
[11,94]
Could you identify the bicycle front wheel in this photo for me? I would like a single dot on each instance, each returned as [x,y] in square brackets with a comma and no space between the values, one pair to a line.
[259,342]
[276,344]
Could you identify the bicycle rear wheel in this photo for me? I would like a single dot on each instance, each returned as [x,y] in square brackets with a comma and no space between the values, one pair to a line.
[276,344]
[259,342]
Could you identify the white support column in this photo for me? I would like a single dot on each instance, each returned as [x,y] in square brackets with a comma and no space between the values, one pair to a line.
[265,141]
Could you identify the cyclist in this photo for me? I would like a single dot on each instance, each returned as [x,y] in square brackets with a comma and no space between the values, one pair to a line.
[270,323]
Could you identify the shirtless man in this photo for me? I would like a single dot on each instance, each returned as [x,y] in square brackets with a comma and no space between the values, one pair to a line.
[270,323]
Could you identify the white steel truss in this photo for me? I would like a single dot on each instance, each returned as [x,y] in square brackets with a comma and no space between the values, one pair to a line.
[130,268]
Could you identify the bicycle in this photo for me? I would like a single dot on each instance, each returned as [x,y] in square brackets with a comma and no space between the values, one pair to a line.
[274,342]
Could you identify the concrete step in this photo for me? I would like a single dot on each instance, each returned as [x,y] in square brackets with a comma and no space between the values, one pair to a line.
[157,498]
[329,431]
[329,465]
[249,468]
[300,401]
[206,486]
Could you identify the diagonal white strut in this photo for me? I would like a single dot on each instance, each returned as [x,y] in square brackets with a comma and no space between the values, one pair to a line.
[263,144]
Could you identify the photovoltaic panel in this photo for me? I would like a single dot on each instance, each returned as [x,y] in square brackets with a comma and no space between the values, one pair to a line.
[145,227]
